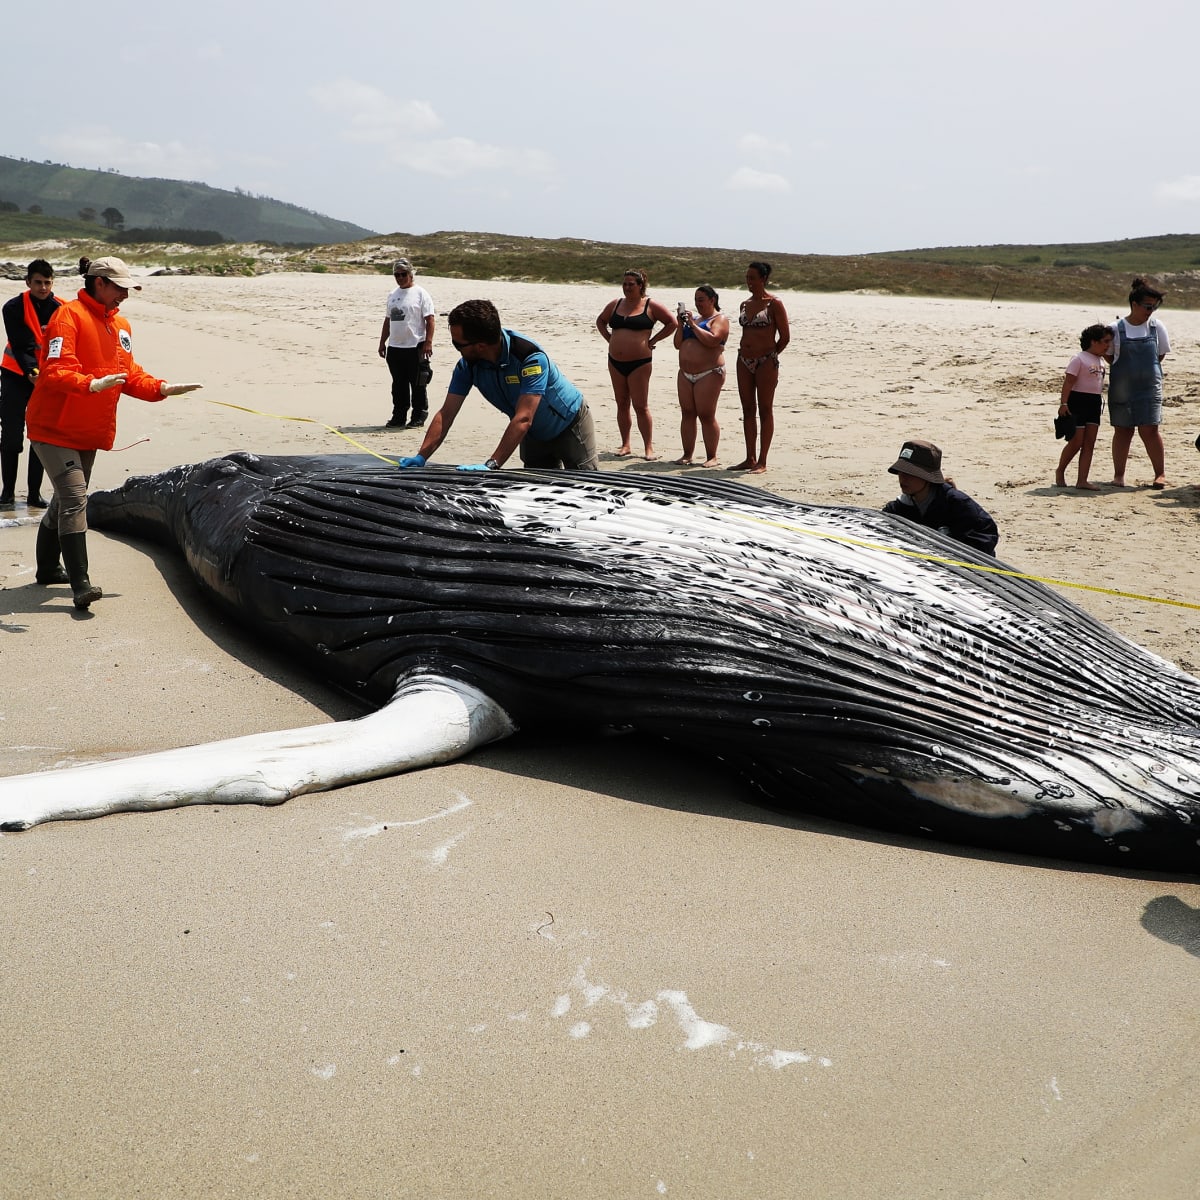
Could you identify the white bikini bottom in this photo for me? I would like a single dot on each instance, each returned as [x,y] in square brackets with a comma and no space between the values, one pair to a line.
[696,378]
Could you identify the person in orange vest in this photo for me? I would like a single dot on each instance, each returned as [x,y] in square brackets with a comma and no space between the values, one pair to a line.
[72,413]
[25,320]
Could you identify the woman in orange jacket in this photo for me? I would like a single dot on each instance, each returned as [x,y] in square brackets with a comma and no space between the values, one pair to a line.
[72,413]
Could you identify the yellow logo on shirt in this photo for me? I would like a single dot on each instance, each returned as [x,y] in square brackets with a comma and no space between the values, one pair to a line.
[511,379]
[531,370]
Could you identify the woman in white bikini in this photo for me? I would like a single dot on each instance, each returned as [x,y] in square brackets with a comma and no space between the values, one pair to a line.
[626,324]
[700,340]
[765,334]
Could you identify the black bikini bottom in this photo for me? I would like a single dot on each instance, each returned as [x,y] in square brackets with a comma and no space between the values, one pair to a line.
[628,368]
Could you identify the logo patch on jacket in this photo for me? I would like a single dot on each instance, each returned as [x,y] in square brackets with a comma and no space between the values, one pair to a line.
[54,348]
[126,341]
[511,379]
[532,370]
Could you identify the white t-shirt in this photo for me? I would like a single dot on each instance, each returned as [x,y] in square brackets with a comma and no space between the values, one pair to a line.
[1140,331]
[407,309]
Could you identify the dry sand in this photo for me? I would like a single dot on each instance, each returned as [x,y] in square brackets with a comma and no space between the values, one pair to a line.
[294,1002]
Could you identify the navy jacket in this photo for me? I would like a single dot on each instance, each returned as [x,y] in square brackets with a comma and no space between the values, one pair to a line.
[952,512]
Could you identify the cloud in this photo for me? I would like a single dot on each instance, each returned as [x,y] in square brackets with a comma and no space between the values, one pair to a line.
[747,179]
[404,126]
[98,145]
[758,145]
[1186,187]
[372,115]
[451,158]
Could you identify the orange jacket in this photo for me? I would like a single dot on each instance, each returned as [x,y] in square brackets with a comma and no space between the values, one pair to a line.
[33,321]
[84,341]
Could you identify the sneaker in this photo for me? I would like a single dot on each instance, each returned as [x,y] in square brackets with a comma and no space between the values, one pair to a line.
[8,500]
[416,423]
[395,425]
[36,501]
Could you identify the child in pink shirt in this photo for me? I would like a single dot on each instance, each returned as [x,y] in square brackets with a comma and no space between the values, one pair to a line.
[1082,398]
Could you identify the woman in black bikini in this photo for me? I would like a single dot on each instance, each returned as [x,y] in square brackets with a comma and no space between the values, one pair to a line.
[626,325]
[765,333]
[700,340]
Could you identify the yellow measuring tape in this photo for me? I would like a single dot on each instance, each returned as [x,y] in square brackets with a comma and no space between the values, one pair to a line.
[307,421]
[833,537]
[953,562]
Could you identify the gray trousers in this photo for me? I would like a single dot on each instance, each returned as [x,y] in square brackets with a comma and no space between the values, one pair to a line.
[574,448]
[70,472]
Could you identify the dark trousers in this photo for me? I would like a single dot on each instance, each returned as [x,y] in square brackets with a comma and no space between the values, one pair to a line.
[15,391]
[404,364]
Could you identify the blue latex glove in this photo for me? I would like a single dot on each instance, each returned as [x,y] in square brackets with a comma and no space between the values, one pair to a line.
[475,467]
[413,460]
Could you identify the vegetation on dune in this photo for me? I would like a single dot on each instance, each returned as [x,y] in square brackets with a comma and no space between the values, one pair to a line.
[286,238]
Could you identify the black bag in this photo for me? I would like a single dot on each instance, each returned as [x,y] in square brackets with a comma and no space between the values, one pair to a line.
[1064,426]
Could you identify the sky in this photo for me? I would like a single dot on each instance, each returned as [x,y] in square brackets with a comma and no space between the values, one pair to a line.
[833,128]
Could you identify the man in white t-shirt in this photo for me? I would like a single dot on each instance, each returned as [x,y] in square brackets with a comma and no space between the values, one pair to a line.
[406,343]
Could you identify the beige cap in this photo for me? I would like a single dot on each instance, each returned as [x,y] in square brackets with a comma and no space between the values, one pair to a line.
[115,271]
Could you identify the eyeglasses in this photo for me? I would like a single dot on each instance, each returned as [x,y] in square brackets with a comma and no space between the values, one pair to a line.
[460,346]
[403,274]
[1148,305]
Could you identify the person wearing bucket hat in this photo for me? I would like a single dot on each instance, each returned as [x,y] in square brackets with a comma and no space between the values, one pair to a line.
[88,366]
[1079,404]
[930,499]
[406,345]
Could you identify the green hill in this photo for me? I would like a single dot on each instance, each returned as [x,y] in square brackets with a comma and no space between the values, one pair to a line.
[69,193]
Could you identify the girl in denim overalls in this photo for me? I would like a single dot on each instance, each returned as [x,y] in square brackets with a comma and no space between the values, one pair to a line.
[1140,343]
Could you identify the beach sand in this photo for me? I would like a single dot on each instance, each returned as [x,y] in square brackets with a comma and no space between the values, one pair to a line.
[298,1002]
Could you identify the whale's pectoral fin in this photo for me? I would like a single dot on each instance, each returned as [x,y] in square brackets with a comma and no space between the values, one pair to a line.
[430,720]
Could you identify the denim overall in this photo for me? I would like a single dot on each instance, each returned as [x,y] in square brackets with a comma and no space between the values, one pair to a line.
[1135,380]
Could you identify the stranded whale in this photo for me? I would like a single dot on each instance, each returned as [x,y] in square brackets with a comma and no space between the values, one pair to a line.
[847,663]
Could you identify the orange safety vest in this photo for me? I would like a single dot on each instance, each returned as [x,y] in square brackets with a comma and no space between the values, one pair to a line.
[9,362]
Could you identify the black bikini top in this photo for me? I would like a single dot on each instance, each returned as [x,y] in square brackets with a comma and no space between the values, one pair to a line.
[641,321]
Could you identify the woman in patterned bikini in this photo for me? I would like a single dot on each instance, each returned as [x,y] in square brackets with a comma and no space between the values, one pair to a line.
[765,334]
[700,340]
[626,325]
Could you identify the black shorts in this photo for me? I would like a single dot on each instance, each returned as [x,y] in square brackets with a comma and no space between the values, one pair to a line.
[1084,407]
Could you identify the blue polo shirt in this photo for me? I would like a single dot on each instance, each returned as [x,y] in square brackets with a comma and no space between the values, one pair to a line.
[522,369]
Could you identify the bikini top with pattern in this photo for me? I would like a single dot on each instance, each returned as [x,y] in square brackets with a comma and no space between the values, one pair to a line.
[639,321]
[760,320]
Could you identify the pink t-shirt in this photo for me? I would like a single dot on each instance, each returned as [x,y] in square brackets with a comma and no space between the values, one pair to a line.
[1088,371]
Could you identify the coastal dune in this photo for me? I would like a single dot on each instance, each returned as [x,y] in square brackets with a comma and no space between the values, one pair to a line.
[595,968]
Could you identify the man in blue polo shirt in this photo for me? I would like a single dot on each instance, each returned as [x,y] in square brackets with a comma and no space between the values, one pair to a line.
[548,418]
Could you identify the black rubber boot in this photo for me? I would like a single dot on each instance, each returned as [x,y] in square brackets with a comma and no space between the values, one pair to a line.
[74,552]
[9,462]
[49,569]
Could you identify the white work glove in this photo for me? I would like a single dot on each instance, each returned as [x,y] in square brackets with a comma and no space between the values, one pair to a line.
[105,382]
[177,389]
